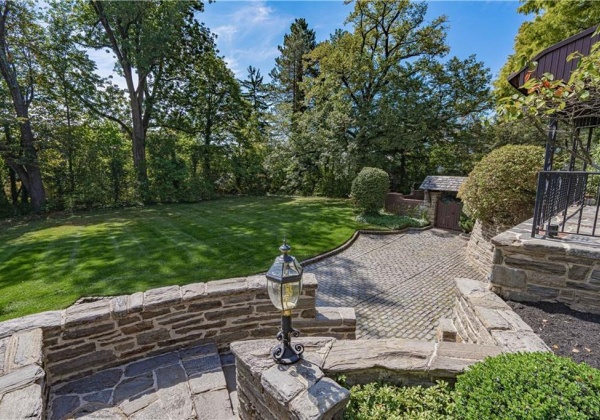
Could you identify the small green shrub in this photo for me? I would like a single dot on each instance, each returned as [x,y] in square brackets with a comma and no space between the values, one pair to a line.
[369,190]
[466,223]
[377,401]
[392,221]
[528,386]
[501,188]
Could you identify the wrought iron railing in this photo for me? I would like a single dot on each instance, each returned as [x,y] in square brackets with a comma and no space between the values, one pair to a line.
[567,202]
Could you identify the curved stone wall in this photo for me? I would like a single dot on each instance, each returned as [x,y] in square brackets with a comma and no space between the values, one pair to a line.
[92,336]
[480,250]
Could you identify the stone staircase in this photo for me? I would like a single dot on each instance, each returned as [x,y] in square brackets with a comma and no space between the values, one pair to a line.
[194,383]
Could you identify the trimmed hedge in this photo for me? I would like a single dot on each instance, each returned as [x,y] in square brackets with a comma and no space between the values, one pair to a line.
[528,386]
[532,386]
[501,188]
[369,190]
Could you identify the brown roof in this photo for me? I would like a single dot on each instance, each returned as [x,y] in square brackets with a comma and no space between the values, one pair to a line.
[554,59]
[442,183]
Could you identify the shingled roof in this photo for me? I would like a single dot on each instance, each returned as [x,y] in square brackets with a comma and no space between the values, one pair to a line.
[442,183]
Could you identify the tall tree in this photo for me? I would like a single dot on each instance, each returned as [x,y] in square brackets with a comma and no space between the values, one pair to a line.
[204,102]
[290,67]
[255,90]
[19,37]
[145,37]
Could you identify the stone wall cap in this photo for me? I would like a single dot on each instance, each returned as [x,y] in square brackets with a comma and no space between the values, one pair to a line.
[392,354]
[87,312]
[519,341]
[468,286]
[162,296]
[256,354]
[325,397]
[226,286]
[50,319]
[468,351]
[285,382]
[193,291]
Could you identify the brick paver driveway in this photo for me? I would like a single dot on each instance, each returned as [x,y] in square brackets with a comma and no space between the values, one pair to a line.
[399,285]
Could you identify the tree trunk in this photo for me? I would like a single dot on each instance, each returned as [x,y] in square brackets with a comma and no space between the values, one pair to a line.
[29,171]
[14,191]
[138,143]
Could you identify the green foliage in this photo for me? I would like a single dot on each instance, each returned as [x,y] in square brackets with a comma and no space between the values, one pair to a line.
[392,221]
[369,190]
[509,386]
[501,188]
[466,223]
[379,401]
[552,22]
[528,386]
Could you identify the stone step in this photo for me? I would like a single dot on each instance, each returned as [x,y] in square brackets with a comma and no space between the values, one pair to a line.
[185,384]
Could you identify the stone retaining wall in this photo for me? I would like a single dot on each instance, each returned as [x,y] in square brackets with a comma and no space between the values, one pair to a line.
[480,249]
[481,317]
[305,391]
[23,389]
[553,270]
[92,336]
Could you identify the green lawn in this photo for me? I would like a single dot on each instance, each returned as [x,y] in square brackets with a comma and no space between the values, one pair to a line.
[46,265]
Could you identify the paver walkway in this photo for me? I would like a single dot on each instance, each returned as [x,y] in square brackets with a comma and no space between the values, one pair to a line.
[399,285]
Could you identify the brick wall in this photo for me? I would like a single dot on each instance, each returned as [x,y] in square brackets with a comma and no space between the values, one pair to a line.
[397,203]
[92,336]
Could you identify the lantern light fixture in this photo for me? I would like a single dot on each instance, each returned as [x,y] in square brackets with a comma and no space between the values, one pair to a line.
[284,284]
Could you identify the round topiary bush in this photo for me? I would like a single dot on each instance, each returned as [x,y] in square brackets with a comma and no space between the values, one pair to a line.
[501,188]
[528,386]
[369,190]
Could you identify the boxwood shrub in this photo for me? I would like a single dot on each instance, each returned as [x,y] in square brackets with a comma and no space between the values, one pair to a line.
[501,188]
[528,386]
[369,190]
[509,386]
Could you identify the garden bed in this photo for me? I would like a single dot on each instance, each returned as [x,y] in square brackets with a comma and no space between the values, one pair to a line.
[567,332]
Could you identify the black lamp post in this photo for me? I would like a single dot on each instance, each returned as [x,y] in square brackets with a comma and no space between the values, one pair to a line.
[284,283]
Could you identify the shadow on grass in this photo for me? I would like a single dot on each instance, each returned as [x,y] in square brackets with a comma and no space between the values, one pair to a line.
[49,265]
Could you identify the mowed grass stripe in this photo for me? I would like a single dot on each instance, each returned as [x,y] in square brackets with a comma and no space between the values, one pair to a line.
[49,264]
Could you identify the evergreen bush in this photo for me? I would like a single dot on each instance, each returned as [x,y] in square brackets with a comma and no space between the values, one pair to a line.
[378,401]
[369,190]
[501,188]
[528,386]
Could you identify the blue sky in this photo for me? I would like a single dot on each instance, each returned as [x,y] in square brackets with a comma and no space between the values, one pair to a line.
[250,31]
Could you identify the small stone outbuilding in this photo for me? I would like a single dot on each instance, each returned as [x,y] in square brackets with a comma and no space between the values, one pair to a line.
[443,206]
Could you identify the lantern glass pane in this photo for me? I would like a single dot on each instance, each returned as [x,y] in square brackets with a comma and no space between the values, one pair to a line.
[284,296]
[276,269]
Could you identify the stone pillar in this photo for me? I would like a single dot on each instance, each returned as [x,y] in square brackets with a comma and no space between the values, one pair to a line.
[430,201]
[270,391]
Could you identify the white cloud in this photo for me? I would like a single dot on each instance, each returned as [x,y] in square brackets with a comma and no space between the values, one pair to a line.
[248,33]
[225,32]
